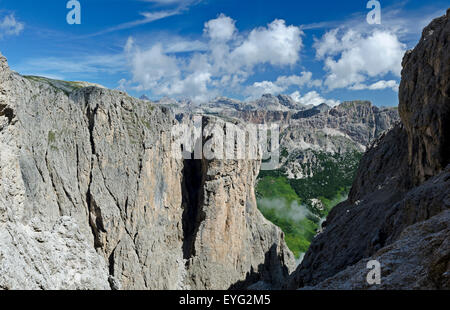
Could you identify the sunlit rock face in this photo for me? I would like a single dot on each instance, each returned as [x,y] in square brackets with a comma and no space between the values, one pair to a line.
[92,198]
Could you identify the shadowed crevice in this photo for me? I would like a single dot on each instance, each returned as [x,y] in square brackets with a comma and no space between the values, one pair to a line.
[7,112]
[269,275]
[192,197]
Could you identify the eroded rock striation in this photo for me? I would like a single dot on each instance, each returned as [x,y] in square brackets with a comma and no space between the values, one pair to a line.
[398,209]
[92,198]
[424,101]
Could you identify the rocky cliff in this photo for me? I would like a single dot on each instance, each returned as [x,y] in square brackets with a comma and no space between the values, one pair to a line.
[424,101]
[398,209]
[92,198]
[348,127]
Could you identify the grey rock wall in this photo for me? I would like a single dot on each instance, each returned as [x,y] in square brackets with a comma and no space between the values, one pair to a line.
[92,198]
[397,210]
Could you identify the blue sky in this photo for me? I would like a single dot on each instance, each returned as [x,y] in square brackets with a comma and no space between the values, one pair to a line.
[316,51]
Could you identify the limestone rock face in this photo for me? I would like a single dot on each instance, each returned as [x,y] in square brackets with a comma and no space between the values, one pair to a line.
[348,127]
[227,221]
[425,100]
[308,133]
[397,211]
[45,244]
[419,259]
[92,198]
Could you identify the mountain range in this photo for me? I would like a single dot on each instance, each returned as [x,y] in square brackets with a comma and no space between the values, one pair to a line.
[92,196]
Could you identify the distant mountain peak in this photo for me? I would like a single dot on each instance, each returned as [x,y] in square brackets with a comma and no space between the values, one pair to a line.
[354,103]
[144,97]
[323,107]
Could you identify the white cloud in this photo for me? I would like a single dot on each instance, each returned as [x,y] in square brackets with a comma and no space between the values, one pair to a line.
[352,57]
[313,98]
[177,7]
[149,17]
[378,85]
[260,88]
[153,68]
[305,78]
[281,84]
[291,211]
[154,16]
[122,85]
[179,45]
[328,44]
[357,55]
[277,44]
[224,60]
[129,45]
[220,29]
[10,26]
[407,24]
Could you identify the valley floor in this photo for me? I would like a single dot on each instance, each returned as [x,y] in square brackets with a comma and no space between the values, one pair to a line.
[299,207]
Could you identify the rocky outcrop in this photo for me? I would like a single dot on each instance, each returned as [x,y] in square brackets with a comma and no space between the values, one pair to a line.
[425,100]
[45,245]
[417,260]
[270,102]
[348,127]
[398,208]
[360,121]
[92,198]
[228,222]
[261,116]
[220,206]
[305,130]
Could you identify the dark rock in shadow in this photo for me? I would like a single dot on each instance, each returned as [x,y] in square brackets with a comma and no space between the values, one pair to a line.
[270,276]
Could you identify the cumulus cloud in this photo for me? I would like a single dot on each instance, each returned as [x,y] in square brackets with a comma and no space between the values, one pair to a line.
[10,26]
[277,44]
[282,84]
[220,29]
[227,59]
[260,88]
[314,98]
[352,57]
[382,84]
[305,78]
[152,67]
[163,74]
